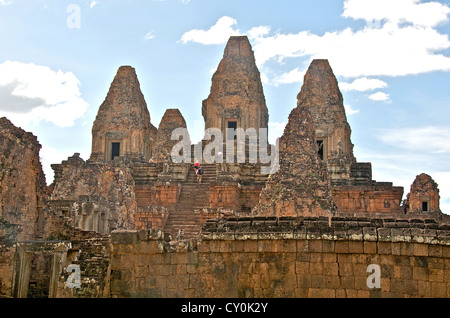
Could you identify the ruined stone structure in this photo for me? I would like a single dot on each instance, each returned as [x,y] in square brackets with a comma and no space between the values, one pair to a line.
[354,191]
[236,99]
[424,196]
[122,126]
[321,95]
[301,186]
[22,181]
[164,144]
[133,222]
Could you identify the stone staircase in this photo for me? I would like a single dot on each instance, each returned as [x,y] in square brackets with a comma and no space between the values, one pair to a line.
[193,196]
[209,174]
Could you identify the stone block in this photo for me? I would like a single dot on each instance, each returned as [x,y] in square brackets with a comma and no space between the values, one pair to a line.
[370,234]
[435,250]
[438,290]
[331,269]
[316,269]
[420,249]
[143,235]
[370,247]
[384,247]
[124,237]
[356,247]
[321,293]
[342,247]
[328,246]
[315,246]
[304,281]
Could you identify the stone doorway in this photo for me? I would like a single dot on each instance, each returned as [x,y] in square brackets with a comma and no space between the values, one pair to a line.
[37,266]
[115,150]
[320,149]
[231,129]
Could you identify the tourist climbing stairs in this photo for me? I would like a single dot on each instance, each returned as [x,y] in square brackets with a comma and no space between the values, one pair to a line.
[184,222]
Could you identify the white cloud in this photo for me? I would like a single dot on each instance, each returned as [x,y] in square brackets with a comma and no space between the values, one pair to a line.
[406,41]
[150,35]
[422,140]
[264,78]
[33,93]
[217,34]
[349,110]
[50,155]
[405,44]
[257,32]
[5,2]
[276,130]
[93,4]
[363,84]
[391,52]
[442,178]
[379,97]
[428,14]
[294,76]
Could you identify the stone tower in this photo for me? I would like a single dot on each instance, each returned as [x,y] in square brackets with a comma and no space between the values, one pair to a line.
[236,99]
[301,186]
[321,95]
[122,127]
[423,196]
[164,144]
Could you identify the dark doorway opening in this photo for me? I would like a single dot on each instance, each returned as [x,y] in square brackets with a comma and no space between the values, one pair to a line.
[425,206]
[115,150]
[320,147]
[232,126]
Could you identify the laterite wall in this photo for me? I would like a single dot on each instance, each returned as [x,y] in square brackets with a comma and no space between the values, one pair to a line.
[285,257]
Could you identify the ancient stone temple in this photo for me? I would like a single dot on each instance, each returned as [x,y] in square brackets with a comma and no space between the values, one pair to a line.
[122,126]
[236,99]
[301,186]
[321,95]
[423,196]
[131,221]
[354,190]
[164,143]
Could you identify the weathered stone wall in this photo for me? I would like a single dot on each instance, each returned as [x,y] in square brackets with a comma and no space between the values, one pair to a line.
[22,181]
[225,196]
[98,197]
[157,194]
[286,257]
[374,198]
[8,235]
[38,269]
[151,217]
[91,251]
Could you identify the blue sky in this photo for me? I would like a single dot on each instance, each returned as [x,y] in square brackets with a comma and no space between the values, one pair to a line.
[391,58]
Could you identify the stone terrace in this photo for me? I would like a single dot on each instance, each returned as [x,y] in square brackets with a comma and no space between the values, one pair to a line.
[286,257]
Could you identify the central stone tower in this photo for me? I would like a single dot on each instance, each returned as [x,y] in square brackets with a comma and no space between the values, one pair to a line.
[236,99]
